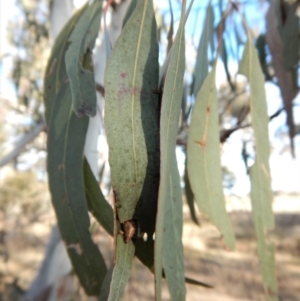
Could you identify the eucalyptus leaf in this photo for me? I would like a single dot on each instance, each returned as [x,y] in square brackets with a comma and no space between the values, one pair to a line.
[121,272]
[66,138]
[173,261]
[203,159]
[261,193]
[96,201]
[190,197]
[78,60]
[290,37]
[201,67]
[129,11]
[171,29]
[132,117]
[56,69]
[170,109]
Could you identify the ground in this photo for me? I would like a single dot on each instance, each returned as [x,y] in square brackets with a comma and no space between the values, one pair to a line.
[24,233]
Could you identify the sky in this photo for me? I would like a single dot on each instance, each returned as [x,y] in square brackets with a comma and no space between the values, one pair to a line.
[285,170]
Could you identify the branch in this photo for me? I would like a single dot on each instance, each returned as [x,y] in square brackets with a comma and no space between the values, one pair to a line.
[22,143]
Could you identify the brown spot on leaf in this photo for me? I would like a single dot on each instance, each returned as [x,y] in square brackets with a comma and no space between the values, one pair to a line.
[201,143]
[208,109]
[123,75]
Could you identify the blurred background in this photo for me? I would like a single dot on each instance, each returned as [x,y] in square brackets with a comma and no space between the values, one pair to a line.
[33,263]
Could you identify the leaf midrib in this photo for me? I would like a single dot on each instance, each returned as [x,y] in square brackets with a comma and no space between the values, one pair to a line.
[133,97]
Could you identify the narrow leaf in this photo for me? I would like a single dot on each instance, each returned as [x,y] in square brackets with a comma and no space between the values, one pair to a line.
[96,201]
[190,197]
[173,261]
[130,10]
[132,117]
[201,67]
[203,158]
[290,37]
[170,109]
[105,289]
[82,42]
[66,138]
[171,30]
[121,272]
[56,69]
[261,195]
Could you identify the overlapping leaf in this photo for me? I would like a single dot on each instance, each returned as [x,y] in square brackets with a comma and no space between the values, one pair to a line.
[203,158]
[79,60]
[173,261]
[96,202]
[261,194]
[66,138]
[170,109]
[132,116]
[201,67]
[121,272]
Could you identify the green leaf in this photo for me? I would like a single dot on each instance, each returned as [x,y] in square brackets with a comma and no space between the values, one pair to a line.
[203,158]
[190,197]
[173,261]
[169,119]
[129,11]
[290,37]
[132,117]
[105,289]
[224,57]
[96,201]
[66,138]
[121,272]
[201,67]
[171,30]
[261,194]
[78,60]
[56,69]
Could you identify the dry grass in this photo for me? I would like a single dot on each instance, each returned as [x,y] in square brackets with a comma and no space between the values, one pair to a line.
[27,218]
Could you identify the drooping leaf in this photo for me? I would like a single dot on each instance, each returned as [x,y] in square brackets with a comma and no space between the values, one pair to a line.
[173,261]
[224,57]
[82,42]
[290,37]
[203,159]
[66,138]
[201,67]
[129,12]
[171,29]
[96,201]
[190,197]
[105,289]
[286,79]
[170,109]
[262,55]
[164,67]
[132,117]
[261,194]
[121,272]
[56,69]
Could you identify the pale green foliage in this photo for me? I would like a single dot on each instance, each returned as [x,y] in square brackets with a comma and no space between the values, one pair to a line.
[203,155]
[141,131]
[121,272]
[261,194]
[170,109]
